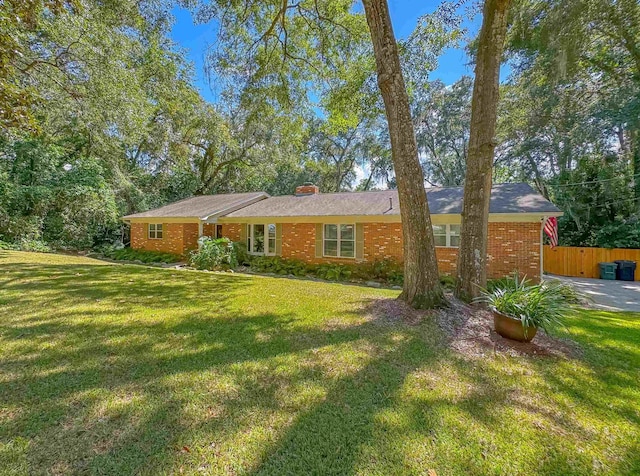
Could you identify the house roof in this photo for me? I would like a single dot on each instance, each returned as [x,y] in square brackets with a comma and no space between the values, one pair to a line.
[203,206]
[505,198]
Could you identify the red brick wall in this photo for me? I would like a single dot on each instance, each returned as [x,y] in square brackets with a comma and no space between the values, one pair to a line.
[208,229]
[512,246]
[299,242]
[232,231]
[173,238]
[229,230]
[382,241]
[190,236]
[447,259]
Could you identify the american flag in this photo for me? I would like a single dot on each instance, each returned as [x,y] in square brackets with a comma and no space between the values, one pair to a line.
[551,230]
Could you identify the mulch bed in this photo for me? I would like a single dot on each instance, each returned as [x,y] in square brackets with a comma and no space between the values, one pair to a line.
[470,332]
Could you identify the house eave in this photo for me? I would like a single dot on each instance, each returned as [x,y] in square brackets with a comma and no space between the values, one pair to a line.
[450,218]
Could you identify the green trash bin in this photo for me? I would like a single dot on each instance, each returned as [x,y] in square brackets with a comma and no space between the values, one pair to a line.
[608,270]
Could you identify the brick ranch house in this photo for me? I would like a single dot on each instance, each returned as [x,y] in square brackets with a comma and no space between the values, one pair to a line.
[348,227]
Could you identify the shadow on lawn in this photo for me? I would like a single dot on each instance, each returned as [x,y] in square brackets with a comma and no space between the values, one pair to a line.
[54,388]
[218,390]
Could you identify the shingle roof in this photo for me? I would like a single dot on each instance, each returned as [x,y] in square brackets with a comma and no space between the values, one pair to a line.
[202,206]
[505,198]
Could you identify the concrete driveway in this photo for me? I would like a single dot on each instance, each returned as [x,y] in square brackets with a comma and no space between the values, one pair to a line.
[607,295]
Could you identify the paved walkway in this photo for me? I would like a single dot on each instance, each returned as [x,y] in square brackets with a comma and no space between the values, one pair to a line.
[607,294]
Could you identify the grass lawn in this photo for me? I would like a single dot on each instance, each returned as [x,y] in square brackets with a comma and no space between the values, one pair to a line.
[122,369]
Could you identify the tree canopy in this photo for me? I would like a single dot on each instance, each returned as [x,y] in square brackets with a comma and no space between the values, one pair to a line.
[100,115]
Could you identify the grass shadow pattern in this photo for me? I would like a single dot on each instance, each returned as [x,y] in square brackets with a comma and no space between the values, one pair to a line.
[122,369]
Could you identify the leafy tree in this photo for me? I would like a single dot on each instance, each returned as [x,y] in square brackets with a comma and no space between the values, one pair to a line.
[442,118]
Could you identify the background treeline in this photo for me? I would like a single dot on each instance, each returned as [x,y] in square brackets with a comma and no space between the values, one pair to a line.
[100,116]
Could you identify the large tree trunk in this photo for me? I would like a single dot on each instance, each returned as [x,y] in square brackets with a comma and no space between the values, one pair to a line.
[472,272]
[421,280]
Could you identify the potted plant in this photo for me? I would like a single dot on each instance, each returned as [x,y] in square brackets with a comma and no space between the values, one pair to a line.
[520,309]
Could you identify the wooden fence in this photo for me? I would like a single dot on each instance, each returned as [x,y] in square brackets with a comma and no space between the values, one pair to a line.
[583,262]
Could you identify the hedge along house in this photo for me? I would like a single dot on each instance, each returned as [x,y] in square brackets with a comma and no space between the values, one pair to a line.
[349,227]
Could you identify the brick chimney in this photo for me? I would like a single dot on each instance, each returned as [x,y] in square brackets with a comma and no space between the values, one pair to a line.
[307,188]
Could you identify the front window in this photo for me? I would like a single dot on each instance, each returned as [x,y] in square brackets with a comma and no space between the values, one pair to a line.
[440,235]
[454,235]
[446,235]
[155,231]
[261,239]
[271,239]
[218,231]
[339,241]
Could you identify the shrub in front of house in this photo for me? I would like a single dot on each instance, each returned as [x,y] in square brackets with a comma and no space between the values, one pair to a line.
[334,271]
[276,265]
[214,254]
[242,255]
[129,254]
[386,271]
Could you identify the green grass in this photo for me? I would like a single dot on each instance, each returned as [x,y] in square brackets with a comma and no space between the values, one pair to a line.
[124,369]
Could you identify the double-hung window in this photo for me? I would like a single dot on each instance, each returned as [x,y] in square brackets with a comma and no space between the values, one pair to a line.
[446,235]
[261,239]
[155,231]
[339,241]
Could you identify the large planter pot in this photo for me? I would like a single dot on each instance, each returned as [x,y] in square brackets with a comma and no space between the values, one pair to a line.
[512,328]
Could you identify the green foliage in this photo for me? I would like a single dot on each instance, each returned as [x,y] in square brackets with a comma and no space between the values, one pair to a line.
[545,305]
[387,271]
[26,244]
[39,246]
[570,114]
[619,234]
[274,264]
[448,282]
[129,254]
[242,255]
[333,272]
[214,254]
[5,245]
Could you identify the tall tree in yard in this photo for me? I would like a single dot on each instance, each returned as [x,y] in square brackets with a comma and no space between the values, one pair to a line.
[421,280]
[472,274]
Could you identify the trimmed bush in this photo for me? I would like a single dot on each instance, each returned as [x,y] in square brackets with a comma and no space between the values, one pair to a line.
[334,272]
[214,254]
[129,254]
[276,265]
[242,255]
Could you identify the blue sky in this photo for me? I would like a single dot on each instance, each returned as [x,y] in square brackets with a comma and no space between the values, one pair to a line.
[404,14]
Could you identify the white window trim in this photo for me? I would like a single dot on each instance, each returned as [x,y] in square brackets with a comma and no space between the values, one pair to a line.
[447,235]
[155,231]
[338,239]
[250,228]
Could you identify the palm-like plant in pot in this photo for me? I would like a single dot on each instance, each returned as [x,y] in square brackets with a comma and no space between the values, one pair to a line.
[520,309]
